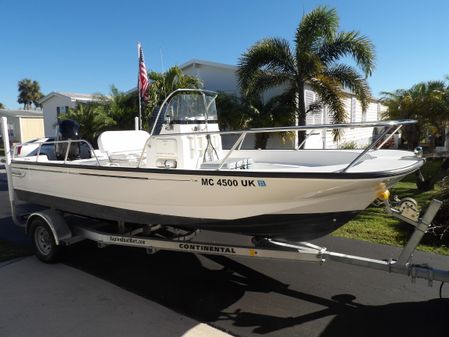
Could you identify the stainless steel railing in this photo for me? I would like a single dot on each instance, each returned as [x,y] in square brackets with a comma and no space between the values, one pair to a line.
[391,127]
[69,142]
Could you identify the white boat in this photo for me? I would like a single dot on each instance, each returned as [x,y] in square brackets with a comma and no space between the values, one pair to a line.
[179,175]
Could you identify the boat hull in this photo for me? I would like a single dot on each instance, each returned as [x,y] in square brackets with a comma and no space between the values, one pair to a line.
[291,206]
[292,227]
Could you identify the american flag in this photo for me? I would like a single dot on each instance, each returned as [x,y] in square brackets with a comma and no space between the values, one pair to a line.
[143,76]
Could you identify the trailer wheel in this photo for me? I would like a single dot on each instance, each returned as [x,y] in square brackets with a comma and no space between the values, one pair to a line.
[44,243]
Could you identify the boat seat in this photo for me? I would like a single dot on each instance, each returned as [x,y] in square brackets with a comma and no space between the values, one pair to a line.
[122,141]
[125,157]
[229,164]
[123,146]
[41,158]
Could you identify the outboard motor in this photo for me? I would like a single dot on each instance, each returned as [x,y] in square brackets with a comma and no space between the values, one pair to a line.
[67,129]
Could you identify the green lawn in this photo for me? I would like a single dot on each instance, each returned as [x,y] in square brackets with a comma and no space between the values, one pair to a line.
[375,225]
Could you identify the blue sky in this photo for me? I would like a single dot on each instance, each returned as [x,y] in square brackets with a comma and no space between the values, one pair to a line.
[86,46]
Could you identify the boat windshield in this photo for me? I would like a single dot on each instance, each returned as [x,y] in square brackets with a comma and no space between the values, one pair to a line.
[191,108]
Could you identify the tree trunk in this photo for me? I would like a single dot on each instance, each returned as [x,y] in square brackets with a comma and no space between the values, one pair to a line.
[429,184]
[261,140]
[301,113]
[412,134]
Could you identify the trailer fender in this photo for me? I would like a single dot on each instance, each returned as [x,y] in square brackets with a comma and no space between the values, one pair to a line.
[55,220]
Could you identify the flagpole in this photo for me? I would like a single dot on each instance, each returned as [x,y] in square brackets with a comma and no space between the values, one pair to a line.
[140,113]
[138,87]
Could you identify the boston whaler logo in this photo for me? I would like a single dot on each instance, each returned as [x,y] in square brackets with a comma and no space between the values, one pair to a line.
[205,248]
[261,183]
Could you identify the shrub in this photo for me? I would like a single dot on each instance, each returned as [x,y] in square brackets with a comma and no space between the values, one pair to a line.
[440,226]
[349,146]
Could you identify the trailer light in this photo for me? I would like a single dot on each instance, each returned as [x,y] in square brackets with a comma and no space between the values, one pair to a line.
[385,195]
[382,192]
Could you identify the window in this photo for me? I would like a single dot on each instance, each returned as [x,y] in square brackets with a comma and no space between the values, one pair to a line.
[61,109]
[11,130]
[353,109]
[312,117]
[363,115]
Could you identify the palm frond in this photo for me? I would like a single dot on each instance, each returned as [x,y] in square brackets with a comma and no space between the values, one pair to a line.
[319,24]
[270,55]
[350,79]
[352,44]
[263,80]
[331,94]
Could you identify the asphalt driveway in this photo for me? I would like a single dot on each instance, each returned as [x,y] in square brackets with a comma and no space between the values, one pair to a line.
[57,300]
[123,287]
[38,299]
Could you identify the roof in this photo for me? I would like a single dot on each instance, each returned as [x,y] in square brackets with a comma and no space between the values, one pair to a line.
[21,113]
[207,63]
[193,62]
[74,96]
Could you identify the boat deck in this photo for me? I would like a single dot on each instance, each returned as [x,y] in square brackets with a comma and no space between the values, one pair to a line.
[308,161]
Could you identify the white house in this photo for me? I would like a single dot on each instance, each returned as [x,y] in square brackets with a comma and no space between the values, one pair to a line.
[223,77]
[215,76]
[56,103]
[23,125]
[355,113]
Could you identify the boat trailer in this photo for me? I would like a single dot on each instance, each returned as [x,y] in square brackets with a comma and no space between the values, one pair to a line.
[50,230]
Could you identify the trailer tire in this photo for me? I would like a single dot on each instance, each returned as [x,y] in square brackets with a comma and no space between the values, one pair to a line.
[45,247]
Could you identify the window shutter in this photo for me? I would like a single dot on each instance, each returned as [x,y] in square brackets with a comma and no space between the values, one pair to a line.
[309,97]
[353,109]
[11,130]
[329,116]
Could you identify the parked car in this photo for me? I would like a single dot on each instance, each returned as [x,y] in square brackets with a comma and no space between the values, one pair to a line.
[47,148]
[392,143]
[31,147]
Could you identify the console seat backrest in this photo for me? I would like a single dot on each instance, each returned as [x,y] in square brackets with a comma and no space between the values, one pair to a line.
[122,141]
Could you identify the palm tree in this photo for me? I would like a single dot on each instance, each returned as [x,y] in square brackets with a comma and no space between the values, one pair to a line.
[276,112]
[234,113]
[92,118]
[426,102]
[29,93]
[2,106]
[313,60]
[162,84]
[121,107]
